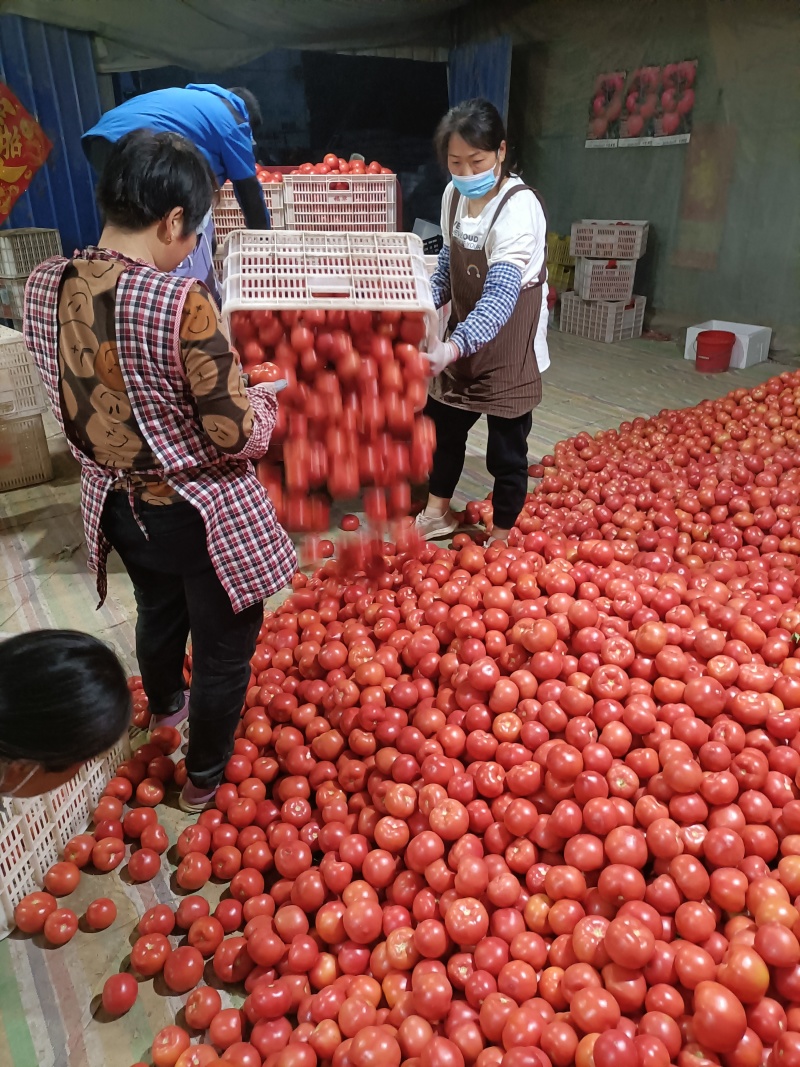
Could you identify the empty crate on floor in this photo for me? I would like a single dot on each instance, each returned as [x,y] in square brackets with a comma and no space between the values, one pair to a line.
[21,391]
[602,320]
[24,455]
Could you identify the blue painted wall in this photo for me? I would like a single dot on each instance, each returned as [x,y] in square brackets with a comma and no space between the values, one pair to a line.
[51,71]
[481,69]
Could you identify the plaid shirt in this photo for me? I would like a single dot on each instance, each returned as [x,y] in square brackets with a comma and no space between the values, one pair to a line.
[252,555]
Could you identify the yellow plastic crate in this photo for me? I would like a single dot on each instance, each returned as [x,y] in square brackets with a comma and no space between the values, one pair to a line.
[558,251]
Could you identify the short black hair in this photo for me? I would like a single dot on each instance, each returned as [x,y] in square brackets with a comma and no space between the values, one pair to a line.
[64,698]
[148,174]
[251,103]
[479,123]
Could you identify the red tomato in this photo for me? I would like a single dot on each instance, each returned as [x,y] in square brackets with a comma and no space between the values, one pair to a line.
[149,954]
[60,926]
[169,1045]
[32,911]
[78,850]
[183,969]
[62,878]
[202,1005]
[101,913]
[119,994]
[143,865]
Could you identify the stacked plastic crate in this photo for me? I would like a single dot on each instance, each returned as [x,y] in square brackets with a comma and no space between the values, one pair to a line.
[228,217]
[316,203]
[560,263]
[21,251]
[602,306]
[24,456]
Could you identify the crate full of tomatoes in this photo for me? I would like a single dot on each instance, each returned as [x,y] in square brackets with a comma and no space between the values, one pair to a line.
[228,215]
[341,195]
[343,318]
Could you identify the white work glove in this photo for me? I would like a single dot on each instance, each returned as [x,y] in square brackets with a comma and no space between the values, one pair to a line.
[441,355]
[271,387]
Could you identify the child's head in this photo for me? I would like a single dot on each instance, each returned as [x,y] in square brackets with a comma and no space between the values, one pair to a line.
[64,699]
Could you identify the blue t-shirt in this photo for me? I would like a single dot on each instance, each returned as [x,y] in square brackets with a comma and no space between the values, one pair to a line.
[198,113]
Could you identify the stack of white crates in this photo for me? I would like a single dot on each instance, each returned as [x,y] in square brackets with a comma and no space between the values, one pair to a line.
[24,455]
[602,306]
[21,251]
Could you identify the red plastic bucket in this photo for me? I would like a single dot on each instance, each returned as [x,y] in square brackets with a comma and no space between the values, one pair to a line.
[714,349]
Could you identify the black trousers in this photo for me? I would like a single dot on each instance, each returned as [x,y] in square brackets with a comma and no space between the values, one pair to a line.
[506,457]
[177,592]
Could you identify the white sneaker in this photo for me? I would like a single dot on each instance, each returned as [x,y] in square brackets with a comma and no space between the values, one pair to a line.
[433,526]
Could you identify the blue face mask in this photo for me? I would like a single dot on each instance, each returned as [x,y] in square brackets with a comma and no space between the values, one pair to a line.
[201,229]
[474,186]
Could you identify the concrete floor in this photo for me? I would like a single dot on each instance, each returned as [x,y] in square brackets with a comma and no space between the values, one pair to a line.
[48,1013]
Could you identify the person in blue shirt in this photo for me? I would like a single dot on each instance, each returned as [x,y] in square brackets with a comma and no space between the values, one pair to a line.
[220,122]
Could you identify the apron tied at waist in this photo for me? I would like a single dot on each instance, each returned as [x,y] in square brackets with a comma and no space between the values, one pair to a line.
[503,377]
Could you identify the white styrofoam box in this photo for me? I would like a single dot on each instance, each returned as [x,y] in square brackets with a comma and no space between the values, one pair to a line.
[751,347]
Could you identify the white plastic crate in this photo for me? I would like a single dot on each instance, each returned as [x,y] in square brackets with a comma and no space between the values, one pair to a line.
[751,346]
[33,832]
[444,311]
[602,320]
[353,271]
[25,440]
[606,239]
[21,390]
[12,298]
[22,250]
[604,279]
[228,215]
[355,203]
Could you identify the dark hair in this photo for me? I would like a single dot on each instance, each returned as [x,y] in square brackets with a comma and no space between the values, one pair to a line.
[479,123]
[64,698]
[251,103]
[148,174]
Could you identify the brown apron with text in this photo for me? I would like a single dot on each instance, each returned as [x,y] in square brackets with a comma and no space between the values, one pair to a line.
[502,378]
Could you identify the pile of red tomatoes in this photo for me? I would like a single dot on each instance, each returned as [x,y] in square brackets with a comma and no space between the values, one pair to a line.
[333,164]
[524,806]
[350,416]
[267,176]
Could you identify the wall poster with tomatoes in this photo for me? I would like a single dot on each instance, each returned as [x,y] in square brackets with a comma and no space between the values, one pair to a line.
[605,110]
[651,107]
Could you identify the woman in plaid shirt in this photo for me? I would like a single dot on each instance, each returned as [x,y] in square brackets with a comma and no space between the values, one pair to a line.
[151,399]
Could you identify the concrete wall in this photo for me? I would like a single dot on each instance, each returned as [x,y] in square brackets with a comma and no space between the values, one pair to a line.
[743,166]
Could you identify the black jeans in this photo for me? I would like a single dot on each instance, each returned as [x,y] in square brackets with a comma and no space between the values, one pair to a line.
[506,457]
[178,591]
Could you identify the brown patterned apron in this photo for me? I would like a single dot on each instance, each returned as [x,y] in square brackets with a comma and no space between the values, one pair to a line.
[503,377]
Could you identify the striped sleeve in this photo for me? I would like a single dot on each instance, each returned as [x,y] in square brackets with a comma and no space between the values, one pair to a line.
[495,307]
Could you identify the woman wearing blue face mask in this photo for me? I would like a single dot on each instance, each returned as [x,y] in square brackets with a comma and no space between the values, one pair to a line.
[493,269]
[143,382]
